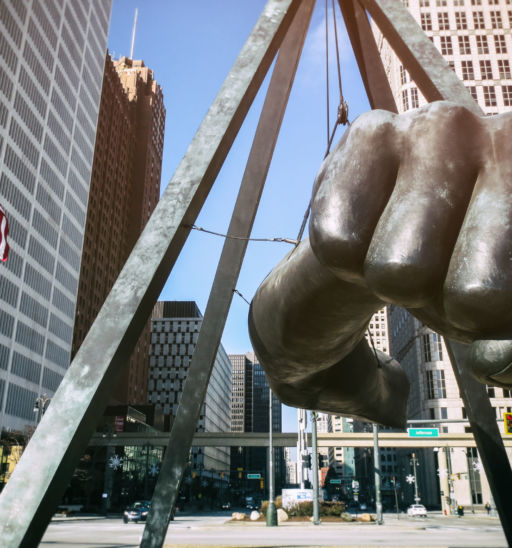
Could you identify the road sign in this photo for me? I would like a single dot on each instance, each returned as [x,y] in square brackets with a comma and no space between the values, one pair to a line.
[423,432]
[253,476]
[335,481]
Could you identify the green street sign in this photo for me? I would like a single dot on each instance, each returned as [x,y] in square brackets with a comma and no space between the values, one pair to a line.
[253,476]
[335,481]
[423,432]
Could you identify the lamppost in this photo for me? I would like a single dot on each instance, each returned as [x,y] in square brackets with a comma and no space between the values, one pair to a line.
[414,463]
[271,509]
[40,406]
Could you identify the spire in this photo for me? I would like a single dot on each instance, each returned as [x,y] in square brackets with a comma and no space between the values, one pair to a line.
[133,32]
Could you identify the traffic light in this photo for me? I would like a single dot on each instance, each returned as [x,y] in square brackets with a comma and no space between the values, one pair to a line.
[262,483]
[507,419]
[307,460]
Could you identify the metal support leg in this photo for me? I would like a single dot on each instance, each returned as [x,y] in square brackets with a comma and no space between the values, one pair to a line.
[225,280]
[427,67]
[482,419]
[29,499]
[367,55]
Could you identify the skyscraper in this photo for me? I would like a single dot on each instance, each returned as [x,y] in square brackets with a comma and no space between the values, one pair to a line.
[124,190]
[51,67]
[475,38]
[175,327]
[250,413]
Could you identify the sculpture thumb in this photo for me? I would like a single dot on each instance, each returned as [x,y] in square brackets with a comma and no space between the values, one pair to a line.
[490,362]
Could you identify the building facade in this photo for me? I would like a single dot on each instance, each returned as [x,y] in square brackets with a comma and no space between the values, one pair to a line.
[475,38]
[124,190]
[51,68]
[174,330]
[250,413]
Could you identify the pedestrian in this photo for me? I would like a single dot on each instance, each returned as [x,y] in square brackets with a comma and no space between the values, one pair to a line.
[460,510]
[488,508]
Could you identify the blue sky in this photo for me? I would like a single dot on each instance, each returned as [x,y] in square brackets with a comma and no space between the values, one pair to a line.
[191,47]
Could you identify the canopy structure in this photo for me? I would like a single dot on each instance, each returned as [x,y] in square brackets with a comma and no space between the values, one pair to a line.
[33,491]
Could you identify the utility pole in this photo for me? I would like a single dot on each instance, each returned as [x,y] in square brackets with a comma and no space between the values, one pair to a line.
[376,462]
[414,462]
[302,448]
[271,510]
[314,456]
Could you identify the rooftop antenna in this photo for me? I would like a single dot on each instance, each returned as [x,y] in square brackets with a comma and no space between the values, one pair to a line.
[133,32]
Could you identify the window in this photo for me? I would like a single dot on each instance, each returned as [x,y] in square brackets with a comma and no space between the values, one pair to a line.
[405,100]
[446,45]
[490,96]
[443,21]
[436,387]
[461,20]
[441,3]
[414,103]
[426,21]
[476,2]
[482,44]
[507,95]
[427,355]
[496,21]
[468,72]
[500,44]
[507,393]
[424,3]
[478,20]
[464,45]
[444,413]
[403,79]
[490,391]
[472,90]
[458,2]
[486,69]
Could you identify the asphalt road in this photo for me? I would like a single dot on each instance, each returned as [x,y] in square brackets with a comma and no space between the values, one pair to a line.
[189,530]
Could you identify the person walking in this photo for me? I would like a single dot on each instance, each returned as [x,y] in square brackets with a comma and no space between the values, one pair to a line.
[488,508]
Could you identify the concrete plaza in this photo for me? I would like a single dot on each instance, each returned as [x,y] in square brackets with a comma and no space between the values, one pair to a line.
[215,530]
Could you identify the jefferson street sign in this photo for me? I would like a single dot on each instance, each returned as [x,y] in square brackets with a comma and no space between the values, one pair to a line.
[253,476]
[423,432]
[335,481]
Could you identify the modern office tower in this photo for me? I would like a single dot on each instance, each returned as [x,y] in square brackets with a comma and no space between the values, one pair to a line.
[174,330]
[250,413]
[475,37]
[52,55]
[124,190]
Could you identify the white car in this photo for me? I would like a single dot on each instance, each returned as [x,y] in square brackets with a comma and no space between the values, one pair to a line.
[417,510]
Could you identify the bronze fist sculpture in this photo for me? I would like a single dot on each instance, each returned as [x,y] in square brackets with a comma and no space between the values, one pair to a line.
[414,210]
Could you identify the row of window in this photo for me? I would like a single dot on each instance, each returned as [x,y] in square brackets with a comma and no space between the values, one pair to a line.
[444,3]
[461,20]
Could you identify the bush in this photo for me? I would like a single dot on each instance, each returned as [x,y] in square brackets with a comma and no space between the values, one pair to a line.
[278,503]
[301,509]
[328,508]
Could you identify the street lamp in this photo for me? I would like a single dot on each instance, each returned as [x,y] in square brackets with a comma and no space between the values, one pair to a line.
[40,406]
[414,462]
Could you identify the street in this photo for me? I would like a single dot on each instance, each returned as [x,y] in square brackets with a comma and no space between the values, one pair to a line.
[214,529]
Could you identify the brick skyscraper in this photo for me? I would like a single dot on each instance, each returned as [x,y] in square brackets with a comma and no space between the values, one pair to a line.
[125,187]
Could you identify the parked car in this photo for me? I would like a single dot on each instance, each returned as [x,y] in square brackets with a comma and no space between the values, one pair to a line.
[226,505]
[138,511]
[417,510]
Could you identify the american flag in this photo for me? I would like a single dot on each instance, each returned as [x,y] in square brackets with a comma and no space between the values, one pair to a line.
[4,231]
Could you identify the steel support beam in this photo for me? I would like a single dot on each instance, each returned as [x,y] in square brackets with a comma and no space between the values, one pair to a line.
[228,270]
[488,438]
[33,491]
[367,56]
[427,67]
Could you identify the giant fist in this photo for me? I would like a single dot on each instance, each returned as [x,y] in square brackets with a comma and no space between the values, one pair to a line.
[414,210]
